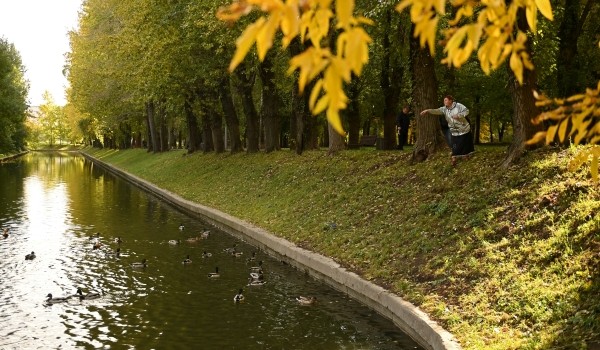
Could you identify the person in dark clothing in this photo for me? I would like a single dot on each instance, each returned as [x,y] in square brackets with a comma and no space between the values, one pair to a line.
[402,125]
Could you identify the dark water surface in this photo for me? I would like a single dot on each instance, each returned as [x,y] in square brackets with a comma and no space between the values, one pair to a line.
[53,203]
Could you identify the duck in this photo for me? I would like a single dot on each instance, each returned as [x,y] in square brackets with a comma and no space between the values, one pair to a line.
[257,268]
[116,254]
[118,240]
[231,249]
[206,255]
[239,297]
[55,300]
[306,300]
[252,257]
[5,233]
[97,245]
[253,282]
[175,242]
[205,234]
[214,274]
[236,254]
[95,236]
[192,239]
[88,296]
[257,276]
[139,265]
[187,260]
[30,256]
[181,227]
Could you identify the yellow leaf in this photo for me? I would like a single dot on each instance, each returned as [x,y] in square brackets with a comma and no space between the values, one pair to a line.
[545,8]
[551,133]
[245,42]
[290,23]
[343,10]
[316,90]
[333,117]
[321,105]
[562,130]
[264,38]
[537,138]
[516,66]
[531,15]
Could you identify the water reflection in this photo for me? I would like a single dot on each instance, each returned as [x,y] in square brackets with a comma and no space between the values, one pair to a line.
[55,204]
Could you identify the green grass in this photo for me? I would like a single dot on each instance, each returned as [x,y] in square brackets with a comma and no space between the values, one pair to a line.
[502,258]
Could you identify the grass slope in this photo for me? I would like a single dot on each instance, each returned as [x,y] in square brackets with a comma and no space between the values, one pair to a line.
[502,258]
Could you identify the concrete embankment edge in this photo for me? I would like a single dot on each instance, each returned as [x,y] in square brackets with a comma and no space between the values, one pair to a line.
[406,316]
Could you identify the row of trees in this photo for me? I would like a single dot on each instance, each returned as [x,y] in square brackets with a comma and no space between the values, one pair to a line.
[157,72]
[13,99]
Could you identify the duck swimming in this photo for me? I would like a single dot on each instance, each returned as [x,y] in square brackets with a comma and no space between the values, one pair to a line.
[236,254]
[181,227]
[139,265]
[206,255]
[239,297]
[257,276]
[252,257]
[96,246]
[118,240]
[253,282]
[214,274]
[30,256]
[230,250]
[205,234]
[175,242]
[88,296]
[306,300]
[187,260]
[56,300]
[5,233]
[257,268]
[116,254]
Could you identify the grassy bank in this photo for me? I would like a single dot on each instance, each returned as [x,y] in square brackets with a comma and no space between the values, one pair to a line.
[501,258]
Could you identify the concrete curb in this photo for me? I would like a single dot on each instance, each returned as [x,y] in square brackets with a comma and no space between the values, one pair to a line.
[406,316]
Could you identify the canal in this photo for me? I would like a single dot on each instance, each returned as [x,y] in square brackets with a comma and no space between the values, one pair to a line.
[72,215]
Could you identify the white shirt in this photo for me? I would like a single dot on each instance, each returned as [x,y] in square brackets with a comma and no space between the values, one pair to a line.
[455,115]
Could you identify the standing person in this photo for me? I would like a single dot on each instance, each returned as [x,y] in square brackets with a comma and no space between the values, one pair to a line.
[456,116]
[402,125]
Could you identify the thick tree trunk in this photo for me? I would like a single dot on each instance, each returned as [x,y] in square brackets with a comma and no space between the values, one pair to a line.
[336,141]
[425,90]
[194,140]
[246,79]
[391,80]
[152,137]
[269,105]
[524,106]
[353,113]
[216,126]
[567,63]
[207,145]
[231,118]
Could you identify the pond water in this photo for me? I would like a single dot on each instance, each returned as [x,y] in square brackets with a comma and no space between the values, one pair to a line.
[54,204]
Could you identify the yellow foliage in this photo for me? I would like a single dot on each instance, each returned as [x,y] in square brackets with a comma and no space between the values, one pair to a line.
[493,28]
[309,19]
[577,118]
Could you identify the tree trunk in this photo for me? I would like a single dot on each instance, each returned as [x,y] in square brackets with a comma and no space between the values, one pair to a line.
[524,105]
[194,140]
[336,141]
[353,113]
[425,90]
[391,79]
[567,65]
[245,90]
[270,104]
[207,145]
[216,126]
[152,138]
[231,118]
